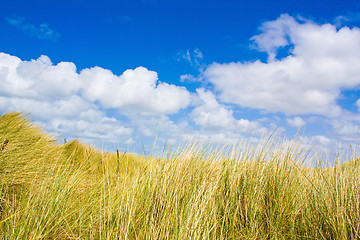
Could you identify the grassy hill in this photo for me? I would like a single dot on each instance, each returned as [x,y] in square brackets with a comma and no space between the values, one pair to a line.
[72,191]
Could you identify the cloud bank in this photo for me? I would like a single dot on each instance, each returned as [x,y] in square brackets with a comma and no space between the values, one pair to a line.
[309,66]
[73,104]
[135,90]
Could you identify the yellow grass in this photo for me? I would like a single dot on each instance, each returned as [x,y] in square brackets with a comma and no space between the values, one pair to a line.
[72,191]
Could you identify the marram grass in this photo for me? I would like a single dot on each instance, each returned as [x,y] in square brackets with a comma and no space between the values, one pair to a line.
[72,191]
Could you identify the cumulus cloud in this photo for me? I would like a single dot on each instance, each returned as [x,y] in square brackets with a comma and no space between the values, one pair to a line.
[37,79]
[71,107]
[296,122]
[321,140]
[105,128]
[135,90]
[41,31]
[322,61]
[275,35]
[346,130]
[70,118]
[71,104]
[211,115]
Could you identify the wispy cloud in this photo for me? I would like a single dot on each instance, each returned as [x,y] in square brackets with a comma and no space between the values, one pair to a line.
[188,78]
[346,19]
[194,58]
[41,31]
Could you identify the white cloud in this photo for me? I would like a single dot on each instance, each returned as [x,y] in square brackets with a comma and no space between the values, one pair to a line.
[188,78]
[41,31]
[357,103]
[320,140]
[211,115]
[346,130]
[70,104]
[322,62]
[275,35]
[104,129]
[135,90]
[37,79]
[70,107]
[296,122]
[70,118]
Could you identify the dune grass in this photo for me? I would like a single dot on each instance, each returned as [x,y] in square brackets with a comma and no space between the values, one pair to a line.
[72,191]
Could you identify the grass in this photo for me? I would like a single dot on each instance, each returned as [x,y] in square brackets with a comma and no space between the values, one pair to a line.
[72,191]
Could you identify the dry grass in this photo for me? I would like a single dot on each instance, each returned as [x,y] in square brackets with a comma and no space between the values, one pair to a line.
[71,191]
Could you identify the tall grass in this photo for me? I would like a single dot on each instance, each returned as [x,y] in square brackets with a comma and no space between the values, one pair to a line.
[72,191]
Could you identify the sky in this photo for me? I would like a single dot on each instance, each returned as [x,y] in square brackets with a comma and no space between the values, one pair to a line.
[126,74]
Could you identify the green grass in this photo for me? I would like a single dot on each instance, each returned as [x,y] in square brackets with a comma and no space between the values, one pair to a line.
[72,191]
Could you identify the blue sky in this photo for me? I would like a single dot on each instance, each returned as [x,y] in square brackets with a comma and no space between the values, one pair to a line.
[117,74]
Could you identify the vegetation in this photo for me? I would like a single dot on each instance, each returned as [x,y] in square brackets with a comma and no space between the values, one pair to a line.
[72,191]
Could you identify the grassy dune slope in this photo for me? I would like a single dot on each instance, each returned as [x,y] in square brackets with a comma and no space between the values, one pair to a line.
[71,191]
